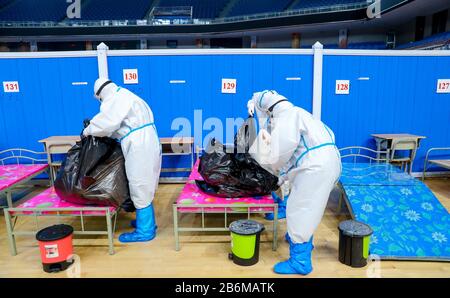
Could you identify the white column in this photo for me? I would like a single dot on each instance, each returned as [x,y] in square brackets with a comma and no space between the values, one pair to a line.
[317,80]
[102,58]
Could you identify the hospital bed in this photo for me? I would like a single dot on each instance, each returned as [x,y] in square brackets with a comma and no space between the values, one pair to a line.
[441,162]
[193,201]
[48,204]
[409,222]
[17,167]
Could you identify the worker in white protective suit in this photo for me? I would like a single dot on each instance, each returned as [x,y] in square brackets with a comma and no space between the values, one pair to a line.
[280,197]
[127,118]
[301,150]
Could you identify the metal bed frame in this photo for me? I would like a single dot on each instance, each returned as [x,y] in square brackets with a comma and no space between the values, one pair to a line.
[12,214]
[444,163]
[176,211]
[18,154]
[203,228]
[357,152]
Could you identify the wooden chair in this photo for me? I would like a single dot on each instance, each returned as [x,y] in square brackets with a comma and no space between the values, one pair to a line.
[404,144]
[57,148]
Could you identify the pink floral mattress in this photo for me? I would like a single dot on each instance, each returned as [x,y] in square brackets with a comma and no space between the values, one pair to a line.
[191,196]
[49,199]
[13,174]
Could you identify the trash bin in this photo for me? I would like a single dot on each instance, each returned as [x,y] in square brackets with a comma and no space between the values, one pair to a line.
[354,239]
[245,235]
[55,244]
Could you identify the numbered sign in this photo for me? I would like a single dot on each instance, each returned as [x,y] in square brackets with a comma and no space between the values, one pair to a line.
[12,86]
[229,85]
[130,76]
[443,86]
[342,87]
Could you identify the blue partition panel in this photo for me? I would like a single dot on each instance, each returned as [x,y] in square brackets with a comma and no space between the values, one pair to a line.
[387,95]
[48,103]
[202,88]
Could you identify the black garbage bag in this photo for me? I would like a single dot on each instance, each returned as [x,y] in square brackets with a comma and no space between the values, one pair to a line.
[231,173]
[93,173]
[245,136]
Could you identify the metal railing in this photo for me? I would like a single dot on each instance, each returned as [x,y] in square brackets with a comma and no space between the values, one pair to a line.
[156,22]
[172,11]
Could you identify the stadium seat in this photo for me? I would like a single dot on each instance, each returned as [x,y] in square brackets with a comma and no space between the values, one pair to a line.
[3,3]
[367,46]
[429,41]
[248,7]
[303,4]
[115,10]
[51,10]
[32,10]
[202,9]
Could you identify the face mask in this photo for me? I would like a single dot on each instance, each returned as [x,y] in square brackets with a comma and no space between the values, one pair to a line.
[98,98]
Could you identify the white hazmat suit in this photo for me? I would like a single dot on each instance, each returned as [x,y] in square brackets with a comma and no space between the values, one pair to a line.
[301,150]
[126,117]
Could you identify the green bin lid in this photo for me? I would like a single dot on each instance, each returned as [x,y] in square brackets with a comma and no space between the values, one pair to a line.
[246,227]
[355,228]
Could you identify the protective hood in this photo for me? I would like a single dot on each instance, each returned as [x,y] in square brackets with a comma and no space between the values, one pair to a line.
[265,100]
[104,88]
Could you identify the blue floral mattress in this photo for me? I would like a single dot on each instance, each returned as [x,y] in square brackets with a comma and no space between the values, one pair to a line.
[408,220]
[383,174]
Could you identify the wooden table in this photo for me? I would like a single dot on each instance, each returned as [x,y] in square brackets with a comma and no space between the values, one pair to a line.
[57,145]
[384,141]
[170,147]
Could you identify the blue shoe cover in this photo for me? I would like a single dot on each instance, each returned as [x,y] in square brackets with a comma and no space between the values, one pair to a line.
[299,261]
[281,214]
[281,207]
[145,227]
[287,238]
[134,225]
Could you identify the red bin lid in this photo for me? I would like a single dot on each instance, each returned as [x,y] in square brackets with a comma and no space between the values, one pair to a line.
[54,233]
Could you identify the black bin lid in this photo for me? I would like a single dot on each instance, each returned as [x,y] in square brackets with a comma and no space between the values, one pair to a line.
[355,228]
[246,227]
[54,233]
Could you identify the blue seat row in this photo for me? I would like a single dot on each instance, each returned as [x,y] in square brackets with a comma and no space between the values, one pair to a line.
[32,10]
[115,9]
[319,3]
[4,2]
[440,37]
[248,7]
[202,9]
[52,10]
